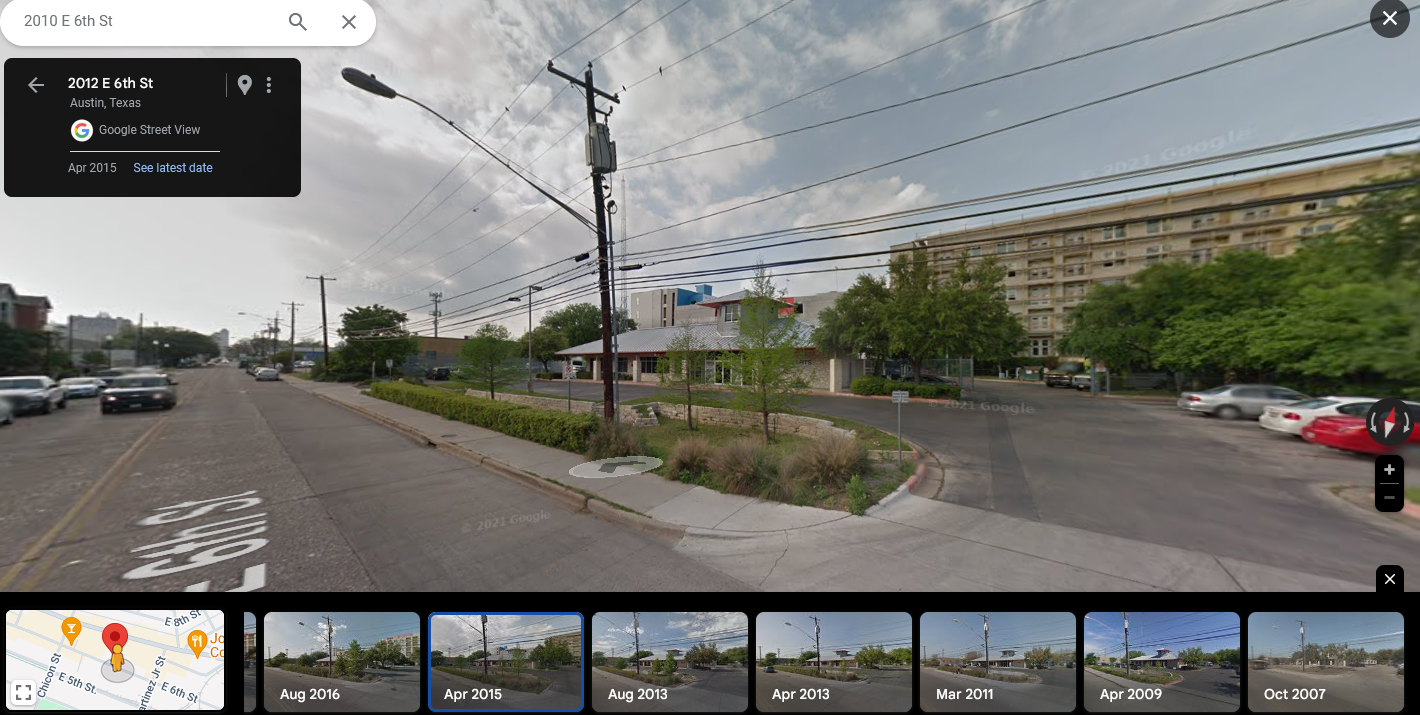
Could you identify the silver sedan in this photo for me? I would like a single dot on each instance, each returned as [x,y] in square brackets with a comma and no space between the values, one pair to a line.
[1230,402]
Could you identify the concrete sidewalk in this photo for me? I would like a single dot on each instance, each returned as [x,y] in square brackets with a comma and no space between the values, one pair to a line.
[905,543]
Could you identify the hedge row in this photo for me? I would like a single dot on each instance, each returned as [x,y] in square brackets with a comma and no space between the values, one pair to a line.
[873,385]
[566,431]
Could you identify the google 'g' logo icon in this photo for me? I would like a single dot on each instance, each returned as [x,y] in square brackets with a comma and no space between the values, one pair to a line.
[82,130]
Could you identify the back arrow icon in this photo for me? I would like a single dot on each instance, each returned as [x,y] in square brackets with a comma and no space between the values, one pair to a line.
[33,85]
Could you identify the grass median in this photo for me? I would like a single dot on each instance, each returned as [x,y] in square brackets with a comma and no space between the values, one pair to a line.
[1150,676]
[981,673]
[520,680]
[647,677]
[828,674]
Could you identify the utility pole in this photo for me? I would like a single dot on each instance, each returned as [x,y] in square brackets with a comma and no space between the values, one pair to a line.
[986,640]
[529,339]
[598,143]
[1126,641]
[436,297]
[1302,630]
[635,623]
[818,649]
[324,327]
[138,346]
[293,305]
[485,645]
[615,318]
[329,647]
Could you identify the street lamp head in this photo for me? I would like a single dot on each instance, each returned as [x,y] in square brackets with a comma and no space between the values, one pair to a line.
[536,287]
[368,83]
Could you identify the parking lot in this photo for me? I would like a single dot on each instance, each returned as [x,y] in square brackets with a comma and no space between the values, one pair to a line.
[718,690]
[1203,690]
[964,693]
[783,692]
[1369,689]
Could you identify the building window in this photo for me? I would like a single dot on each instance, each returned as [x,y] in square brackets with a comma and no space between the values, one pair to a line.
[1076,269]
[973,251]
[648,365]
[1075,290]
[1322,204]
[1039,273]
[1202,255]
[732,313]
[1041,242]
[1114,232]
[1116,263]
[1040,322]
[1112,281]
[1115,254]
[1204,221]
[1074,239]
[1256,214]
[1152,260]
[1006,247]
[1159,226]
[1039,347]
[1040,292]
[1010,294]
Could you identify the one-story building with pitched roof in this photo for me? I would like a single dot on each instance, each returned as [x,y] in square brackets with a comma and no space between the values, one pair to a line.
[1162,658]
[1009,658]
[841,658]
[639,351]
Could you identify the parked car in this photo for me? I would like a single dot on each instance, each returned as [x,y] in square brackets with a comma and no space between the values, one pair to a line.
[1293,416]
[139,392]
[267,374]
[939,380]
[83,386]
[33,393]
[1348,433]
[770,669]
[7,413]
[438,373]
[1080,382]
[1230,402]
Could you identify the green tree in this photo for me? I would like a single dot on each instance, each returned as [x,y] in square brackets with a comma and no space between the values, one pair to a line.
[1194,657]
[769,378]
[351,661]
[682,367]
[307,660]
[278,660]
[1091,659]
[1039,656]
[546,341]
[598,658]
[519,658]
[769,659]
[374,334]
[437,657]
[900,656]
[871,657]
[807,656]
[736,655]
[856,322]
[94,358]
[912,312]
[581,323]
[21,351]
[703,655]
[557,653]
[670,666]
[460,661]
[487,360]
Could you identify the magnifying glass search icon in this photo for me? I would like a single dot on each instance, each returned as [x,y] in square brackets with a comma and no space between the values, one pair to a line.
[296,20]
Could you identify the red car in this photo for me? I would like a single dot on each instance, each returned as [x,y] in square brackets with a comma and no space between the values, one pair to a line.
[1349,434]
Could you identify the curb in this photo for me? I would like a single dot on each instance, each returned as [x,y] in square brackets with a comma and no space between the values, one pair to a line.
[414,435]
[644,524]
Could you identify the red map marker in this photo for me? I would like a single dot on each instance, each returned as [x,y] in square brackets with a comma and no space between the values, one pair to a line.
[115,634]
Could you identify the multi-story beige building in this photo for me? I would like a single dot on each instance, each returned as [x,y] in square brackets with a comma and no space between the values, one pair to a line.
[1052,261]
[408,644]
[573,642]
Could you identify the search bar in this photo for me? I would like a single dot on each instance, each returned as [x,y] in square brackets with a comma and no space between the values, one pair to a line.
[187,23]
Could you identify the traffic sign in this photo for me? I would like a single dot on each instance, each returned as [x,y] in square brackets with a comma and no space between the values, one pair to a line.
[389,363]
[899,397]
[569,371]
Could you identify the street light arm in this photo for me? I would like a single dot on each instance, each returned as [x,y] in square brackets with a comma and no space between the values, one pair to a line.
[586,222]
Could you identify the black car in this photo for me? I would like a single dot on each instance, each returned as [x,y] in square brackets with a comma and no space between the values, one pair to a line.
[139,392]
[437,373]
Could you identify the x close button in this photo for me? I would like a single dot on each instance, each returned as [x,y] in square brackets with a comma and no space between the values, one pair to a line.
[1390,578]
[1389,18]
[349,22]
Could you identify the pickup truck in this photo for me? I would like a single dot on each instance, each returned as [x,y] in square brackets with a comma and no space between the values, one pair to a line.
[1059,379]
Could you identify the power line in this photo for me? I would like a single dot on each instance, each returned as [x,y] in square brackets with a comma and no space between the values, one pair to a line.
[661,71]
[632,165]
[634,34]
[895,105]
[599,27]
[1051,115]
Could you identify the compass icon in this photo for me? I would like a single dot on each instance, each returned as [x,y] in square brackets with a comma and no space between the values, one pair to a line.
[1390,422]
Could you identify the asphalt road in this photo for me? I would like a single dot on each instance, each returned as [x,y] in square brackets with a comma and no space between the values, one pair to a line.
[1141,470]
[249,689]
[450,692]
[1370,689]
[278,489]
[1203,690]
[282,690]
[859,697]
[1055,692]
[719,691]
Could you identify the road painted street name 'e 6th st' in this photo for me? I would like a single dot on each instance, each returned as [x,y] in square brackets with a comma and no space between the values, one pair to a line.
[207,544]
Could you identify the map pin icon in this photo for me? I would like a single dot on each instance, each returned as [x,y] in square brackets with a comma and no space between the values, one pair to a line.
[196,641]
[244,82]
[71,628]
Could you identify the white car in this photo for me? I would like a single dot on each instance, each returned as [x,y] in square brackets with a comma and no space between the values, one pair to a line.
[267,374]
[82,386]
[7,413]
[1291,417]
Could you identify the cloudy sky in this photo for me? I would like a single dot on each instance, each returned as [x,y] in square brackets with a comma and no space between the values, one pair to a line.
[1148,632]
[283,632]
[388,192]
[462,634]
[1278,634]
[837,630]
[615,635]
[1022,631]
